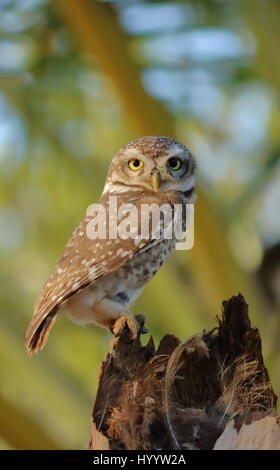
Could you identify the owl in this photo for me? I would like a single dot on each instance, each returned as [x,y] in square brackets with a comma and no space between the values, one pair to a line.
[98,277]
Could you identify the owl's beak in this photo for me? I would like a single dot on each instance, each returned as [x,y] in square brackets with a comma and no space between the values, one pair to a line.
[155,180]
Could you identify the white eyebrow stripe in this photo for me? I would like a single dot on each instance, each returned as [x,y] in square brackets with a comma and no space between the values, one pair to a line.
[134,152]
[175,149]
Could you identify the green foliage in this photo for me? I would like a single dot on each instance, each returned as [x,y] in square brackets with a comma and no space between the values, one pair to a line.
[78,80]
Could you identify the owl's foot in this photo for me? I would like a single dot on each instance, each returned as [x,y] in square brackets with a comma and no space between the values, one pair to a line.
[125,324]
[140,319]
[131,325]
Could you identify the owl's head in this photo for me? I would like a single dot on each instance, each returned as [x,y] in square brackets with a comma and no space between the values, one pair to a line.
[152,163]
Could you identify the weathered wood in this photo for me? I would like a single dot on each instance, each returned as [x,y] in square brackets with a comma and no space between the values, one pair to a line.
[184,395]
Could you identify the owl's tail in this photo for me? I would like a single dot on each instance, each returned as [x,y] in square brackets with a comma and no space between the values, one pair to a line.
[37,335]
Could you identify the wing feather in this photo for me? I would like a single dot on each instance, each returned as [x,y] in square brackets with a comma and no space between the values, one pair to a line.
[83,262]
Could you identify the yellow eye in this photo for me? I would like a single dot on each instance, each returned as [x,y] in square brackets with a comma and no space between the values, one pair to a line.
[174,163]
[135,164]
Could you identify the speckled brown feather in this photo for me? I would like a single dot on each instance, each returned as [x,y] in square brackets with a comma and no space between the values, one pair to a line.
[153,146]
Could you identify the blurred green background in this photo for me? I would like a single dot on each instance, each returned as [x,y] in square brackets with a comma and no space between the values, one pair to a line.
[78,80]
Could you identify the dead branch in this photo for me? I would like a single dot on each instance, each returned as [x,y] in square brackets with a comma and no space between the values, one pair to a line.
[210,391]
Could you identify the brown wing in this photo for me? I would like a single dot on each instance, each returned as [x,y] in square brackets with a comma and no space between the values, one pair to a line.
[83,262]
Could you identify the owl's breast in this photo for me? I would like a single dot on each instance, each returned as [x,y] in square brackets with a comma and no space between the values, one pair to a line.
[144,265]
[130,279]
[119,289]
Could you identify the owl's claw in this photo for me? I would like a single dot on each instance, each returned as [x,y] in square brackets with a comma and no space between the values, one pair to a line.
[129,324]
[125,324]
[140,319]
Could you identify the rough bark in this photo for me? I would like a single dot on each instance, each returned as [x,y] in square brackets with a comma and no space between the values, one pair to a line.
[210,391]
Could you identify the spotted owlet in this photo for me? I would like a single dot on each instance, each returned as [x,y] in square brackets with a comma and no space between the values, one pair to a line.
[97,278]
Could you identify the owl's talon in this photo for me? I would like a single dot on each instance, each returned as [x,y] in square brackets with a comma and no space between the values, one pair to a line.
[126,323]
[140,319]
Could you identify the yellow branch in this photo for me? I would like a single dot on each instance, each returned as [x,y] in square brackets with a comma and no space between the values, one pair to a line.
[96,31]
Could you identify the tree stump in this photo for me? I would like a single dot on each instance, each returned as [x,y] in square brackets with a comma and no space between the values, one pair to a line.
[211,391]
